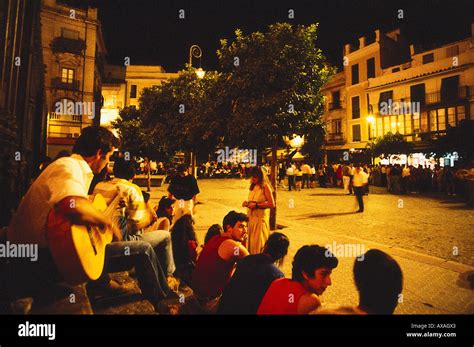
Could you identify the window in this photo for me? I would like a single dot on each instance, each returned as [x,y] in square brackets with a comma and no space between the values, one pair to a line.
[408,124]
[461,113]
[336,126]
[69,34]
[433,120]
[336,103]
[133,91]
[386,124]
[355,107]
[452,116]
[442,119]
[371,68]
[379,127]
[67,75]
[428,58]
[356,132]
[355,73]
[452,51]
[416,123]
[417,93]
[449,88]
[424,122]
[384,102]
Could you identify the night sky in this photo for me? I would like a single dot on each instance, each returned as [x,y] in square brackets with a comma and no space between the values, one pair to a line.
[150,32]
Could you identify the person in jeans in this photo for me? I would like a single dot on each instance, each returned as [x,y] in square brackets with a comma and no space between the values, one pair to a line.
[360,180]
[217,260]
[138,218]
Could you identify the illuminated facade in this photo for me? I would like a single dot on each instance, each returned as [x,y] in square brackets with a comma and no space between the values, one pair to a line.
[123,86]
[390,86]
[74,55]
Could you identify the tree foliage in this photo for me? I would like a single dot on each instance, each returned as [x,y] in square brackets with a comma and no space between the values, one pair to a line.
[389,144]
[458,139]
[273,82]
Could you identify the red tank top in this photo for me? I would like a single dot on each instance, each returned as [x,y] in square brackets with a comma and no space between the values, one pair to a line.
[211,273]
[282,297]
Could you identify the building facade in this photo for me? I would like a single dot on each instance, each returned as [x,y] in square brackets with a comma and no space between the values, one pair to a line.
[123,86]
[74,56]
[390,86]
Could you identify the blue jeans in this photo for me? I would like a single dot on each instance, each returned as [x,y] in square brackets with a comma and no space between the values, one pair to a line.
[160,240]
[124,255]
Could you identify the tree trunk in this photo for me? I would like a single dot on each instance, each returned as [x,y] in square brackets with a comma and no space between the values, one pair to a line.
[273,181]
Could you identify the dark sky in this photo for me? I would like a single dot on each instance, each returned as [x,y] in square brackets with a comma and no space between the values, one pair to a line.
[150,32]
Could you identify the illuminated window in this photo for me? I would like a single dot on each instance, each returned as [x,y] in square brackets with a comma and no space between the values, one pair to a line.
[461,113]
[424,122]
[433,121]
[442,119]
[67,75]
[452,116]
[408,124]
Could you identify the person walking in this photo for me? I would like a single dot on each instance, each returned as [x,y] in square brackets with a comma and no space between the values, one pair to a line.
[359,180]
[290,173]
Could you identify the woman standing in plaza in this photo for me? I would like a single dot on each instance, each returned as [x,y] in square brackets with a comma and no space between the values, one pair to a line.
[259,203]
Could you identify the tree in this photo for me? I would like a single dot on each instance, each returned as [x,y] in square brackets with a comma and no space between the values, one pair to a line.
[186,113]
[136,138]
[273,82]
[389,144]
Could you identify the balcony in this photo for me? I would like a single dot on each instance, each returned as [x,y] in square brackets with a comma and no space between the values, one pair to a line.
[64,118]
[334,106]
[64,45]
[57,83]
[335,138]
[463,92]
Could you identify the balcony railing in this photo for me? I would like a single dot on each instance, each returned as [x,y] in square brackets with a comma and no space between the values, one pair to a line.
[334,105]
[64,45]
[75,118]
[463,92]
[63,135]
[59,84]
[335,138]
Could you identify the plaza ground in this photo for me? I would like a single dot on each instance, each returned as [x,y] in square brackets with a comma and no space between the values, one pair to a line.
[431,237]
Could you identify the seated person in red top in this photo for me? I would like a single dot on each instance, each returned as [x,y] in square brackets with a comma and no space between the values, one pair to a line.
[379,281]
[311,275]
[184,242]
[217,260]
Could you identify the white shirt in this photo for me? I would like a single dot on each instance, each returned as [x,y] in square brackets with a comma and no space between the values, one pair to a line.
[360,178]
[67,176]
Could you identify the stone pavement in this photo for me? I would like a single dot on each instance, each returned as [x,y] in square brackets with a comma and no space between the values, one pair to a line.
[431,238]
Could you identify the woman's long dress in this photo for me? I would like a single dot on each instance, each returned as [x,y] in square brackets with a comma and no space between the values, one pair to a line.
[259,222]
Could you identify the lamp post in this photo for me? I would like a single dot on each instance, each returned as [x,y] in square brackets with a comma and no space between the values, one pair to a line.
[195,52]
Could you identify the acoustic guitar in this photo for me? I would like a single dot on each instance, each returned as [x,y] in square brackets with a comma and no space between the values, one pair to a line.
[79,250]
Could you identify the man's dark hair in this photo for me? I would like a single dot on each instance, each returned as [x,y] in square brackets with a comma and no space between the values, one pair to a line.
[277,246]
[309,258]
[124,168]
[182,168]
[94,138]
[232,218]
[379,280]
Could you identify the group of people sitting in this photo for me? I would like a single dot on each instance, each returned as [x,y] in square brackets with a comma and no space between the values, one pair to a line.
[227,280]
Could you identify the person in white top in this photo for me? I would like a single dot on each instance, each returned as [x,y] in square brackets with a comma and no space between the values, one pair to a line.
[359,180]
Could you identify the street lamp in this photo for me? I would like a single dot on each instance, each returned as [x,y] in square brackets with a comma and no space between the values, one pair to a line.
[371,121]
[196,52]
